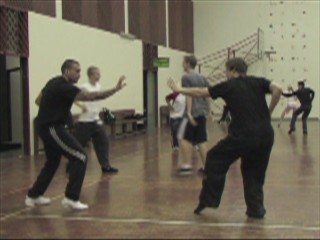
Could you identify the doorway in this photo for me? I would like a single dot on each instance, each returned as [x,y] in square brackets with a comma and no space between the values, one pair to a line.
[14,111]
[14,81]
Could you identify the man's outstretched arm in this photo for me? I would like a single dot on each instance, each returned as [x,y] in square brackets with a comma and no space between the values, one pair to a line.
[92,96]
[192,92]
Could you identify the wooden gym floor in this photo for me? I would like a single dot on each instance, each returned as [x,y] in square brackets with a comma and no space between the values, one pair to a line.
[147,199]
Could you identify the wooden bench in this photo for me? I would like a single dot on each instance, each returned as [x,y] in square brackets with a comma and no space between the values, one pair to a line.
[124,126]
[121,128]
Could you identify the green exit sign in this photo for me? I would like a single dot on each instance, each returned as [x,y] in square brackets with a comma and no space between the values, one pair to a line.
[162,62]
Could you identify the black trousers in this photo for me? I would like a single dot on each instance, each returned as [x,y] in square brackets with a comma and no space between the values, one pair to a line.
[254,150]
[57,142]
[85,131]
[302,109]
[175,124]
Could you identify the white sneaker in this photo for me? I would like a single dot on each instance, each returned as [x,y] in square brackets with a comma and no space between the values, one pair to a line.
[175,149]
[185,169]
[77,205]
[31,202]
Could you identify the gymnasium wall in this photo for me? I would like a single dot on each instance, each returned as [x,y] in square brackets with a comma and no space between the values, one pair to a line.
[113,55]
[53,39]
[291,28]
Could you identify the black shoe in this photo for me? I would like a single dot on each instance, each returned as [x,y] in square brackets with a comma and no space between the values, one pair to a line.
[291,131]
[305,133]
[109,170]
[255,215]
[199,209]
[202,206]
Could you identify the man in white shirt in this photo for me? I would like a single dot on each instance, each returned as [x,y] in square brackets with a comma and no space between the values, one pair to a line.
[89,125]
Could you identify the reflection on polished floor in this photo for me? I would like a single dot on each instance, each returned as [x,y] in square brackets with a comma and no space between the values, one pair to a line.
[147,199]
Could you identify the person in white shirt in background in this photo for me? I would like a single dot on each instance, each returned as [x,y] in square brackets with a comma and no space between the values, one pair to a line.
[177,105]
[90,126]
[292,105]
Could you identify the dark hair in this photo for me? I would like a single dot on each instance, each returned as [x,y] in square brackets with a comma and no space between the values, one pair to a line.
[191,60]
[91,69]
[238,65]
[301,83]
[68,64]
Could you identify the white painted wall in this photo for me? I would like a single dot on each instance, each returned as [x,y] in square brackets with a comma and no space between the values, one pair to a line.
[288,26]
[113,55]
[53,40]
[218,24]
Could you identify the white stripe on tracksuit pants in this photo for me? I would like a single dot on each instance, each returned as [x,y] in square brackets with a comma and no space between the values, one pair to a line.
[58,141]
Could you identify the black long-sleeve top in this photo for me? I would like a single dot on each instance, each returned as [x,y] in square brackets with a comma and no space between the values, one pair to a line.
[305,96]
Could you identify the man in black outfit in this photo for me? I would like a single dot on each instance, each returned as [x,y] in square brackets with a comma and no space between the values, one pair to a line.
[305,96]
[225,113]
[250,136]
[55,101]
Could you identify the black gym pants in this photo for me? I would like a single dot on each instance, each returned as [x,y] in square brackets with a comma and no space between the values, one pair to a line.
[58,141]
[306,109]
[254,150]
[92,130]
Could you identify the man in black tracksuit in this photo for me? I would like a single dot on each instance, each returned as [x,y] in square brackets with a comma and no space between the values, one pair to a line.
[55,101]
[250,136]
[305,96]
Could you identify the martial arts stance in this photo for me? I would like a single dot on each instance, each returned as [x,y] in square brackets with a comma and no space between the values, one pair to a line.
[305,96]
[193,129]
[55,101]
[90,126]
[250,136]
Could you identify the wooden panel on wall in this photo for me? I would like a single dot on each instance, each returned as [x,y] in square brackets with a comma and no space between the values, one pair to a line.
[72,11]
[147,20]
[44,7]
[189,33]
[111,15]
[107,15]
[181,25]
[89,13]
[40,6]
